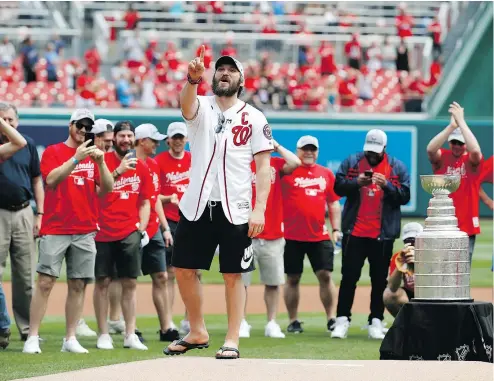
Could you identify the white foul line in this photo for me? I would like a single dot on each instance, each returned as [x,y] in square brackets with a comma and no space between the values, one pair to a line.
[314,364]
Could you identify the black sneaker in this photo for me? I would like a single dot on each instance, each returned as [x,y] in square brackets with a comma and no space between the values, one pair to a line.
[295,327]
[24,336]
[139,335]
[331,324]
[4,338]
[170,335]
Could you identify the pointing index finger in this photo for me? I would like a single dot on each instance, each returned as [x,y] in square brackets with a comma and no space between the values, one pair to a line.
[201,54]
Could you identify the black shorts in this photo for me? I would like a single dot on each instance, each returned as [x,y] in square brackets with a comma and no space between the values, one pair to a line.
[153,255]
[196,242]
[169,249]
[125,255]
[410,294]
[321,256]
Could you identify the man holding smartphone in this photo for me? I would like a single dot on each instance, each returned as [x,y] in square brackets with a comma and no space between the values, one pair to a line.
[375,185]
[395,296]
[123,219]
[73,174]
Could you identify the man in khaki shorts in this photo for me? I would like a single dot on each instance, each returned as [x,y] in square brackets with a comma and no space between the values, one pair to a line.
[269,246]
[73,172]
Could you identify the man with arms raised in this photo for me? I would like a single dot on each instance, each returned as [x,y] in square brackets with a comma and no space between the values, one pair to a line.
[306,193]
[71,170]
[225,135]
[20,182]
[463,158]
[15,143]
[269,245]
[153,254]
[123,219]
[174,165]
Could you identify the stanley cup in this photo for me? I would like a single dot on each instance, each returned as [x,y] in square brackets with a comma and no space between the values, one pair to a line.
[442,262]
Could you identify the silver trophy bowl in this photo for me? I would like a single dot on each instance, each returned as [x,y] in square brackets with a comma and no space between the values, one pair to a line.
[442,261]
[440,184]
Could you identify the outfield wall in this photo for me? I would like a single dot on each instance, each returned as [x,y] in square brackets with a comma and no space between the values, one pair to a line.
[407,138]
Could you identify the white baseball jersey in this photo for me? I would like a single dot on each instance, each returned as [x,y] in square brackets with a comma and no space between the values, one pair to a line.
[224,156]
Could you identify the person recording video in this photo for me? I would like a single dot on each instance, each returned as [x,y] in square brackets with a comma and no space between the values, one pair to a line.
[401,268]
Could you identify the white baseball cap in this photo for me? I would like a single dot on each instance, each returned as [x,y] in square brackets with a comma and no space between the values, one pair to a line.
[229,60]
[375,141]
[306,140]
[411,230]
[176,128]
[81,113]
[102,125]
[148,130]
[456,135]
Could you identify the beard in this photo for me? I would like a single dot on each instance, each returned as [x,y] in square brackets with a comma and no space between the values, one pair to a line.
[374,159]
[225,92]
[120,151]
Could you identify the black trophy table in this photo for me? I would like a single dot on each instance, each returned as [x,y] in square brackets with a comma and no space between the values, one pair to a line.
[445,331]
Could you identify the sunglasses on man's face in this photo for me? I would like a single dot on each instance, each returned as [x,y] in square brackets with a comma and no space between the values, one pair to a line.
[80,125]
[457,143]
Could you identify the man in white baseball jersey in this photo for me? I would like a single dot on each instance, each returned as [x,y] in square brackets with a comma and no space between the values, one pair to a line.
[225,135]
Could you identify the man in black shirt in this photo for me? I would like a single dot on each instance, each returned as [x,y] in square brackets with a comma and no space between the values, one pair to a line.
[20,182]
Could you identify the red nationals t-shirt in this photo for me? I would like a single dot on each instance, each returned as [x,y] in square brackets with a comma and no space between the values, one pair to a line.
[487,174]
[154,221]
[408,280]
[273,228]
[466,198]
[306,192]
[174,179]
[119,209]
[69,208]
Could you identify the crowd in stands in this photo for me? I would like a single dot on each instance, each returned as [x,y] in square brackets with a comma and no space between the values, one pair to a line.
[377,78]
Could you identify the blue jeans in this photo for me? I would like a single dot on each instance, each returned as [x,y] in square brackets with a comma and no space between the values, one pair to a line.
[4,315]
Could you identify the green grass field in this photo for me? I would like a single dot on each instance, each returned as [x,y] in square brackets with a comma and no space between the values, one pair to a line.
[314,343]
[481,274]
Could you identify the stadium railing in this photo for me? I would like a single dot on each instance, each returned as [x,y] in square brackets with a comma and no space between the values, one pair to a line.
[464,48]
[248,45]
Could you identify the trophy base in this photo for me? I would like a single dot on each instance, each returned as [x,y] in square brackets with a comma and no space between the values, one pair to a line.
[441,300]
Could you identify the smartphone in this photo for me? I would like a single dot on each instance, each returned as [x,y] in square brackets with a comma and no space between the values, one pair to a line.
[132,155]
[368,173]
[89,136]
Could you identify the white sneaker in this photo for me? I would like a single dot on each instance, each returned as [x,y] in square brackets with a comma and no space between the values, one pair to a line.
[244,329]
[104,342]
[133,342]
[72,345]
[340,328]
[31,345]
[83,329]
[117,326]
[376,330]
[273,329]
[184,327]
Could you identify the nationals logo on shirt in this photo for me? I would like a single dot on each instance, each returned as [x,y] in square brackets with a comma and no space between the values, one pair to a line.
[306,192]
[119,209]
[174,178]
[69,207]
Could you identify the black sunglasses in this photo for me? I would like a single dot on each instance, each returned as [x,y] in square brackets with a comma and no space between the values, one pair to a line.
[456,142]
[80,125]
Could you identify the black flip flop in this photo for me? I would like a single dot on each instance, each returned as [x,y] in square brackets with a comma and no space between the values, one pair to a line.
[183,343]
[228,349]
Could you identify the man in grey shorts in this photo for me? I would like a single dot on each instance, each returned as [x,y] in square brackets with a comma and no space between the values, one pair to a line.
[72,171]
[269,245]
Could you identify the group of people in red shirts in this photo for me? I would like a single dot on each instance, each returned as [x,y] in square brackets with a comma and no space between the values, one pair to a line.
[112,216]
